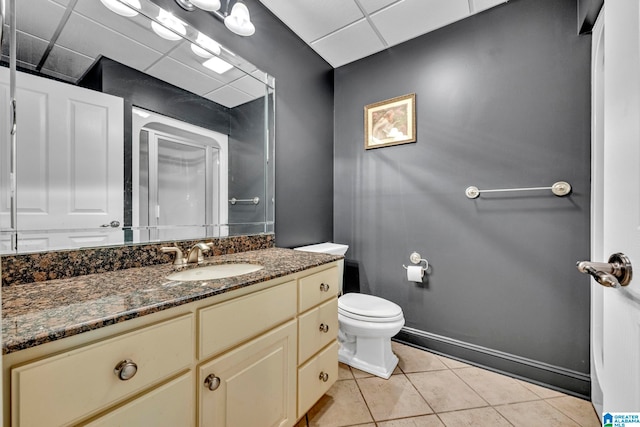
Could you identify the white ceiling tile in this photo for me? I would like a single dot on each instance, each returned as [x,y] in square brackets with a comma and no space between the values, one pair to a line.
[39,17]
[312,19]
[349,44]
[410,18]
[479,5]
[62,61]
[29,49]
[371,6]
[229,97]
[89,38]
[251,86]
[178,74]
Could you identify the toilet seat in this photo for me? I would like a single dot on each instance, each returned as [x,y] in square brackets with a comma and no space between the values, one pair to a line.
[368,308]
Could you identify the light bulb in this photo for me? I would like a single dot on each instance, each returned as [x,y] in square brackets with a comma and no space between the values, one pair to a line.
[210,5]
[169,26]
[239,20]
[122,9]
[205,46]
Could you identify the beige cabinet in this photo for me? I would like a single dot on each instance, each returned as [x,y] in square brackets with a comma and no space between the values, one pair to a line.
[63,389]
[252,385]
[258,356]
[317,333]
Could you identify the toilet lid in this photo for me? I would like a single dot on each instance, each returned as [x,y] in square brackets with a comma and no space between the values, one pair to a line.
[368,306]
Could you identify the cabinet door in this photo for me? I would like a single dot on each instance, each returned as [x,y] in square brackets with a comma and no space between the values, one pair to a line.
[170,405]
[253,385]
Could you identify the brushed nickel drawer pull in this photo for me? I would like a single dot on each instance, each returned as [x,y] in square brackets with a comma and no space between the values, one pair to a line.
[324,328]
[126,369]
[324,287]
[212,382]
[324,377]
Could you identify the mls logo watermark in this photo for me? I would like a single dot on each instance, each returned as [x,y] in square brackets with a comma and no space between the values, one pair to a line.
[621,419]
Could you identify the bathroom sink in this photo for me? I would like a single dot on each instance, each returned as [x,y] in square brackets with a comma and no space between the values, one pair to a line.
[212,272]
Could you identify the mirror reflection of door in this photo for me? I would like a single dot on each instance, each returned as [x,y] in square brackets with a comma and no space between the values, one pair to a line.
[182,188]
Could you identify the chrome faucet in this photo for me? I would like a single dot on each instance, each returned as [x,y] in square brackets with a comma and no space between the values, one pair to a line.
[195,253]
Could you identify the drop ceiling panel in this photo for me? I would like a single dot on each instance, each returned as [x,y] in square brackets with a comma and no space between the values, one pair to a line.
[479,5]
[39,17]
[97,38]
[349,44]
[29,49]
[312,19]
[229,97]
[371,6]
[250,85]
[172,71]
[67,63]
[408,19]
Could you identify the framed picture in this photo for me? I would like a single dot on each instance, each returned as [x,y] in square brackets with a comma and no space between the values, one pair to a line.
[390,122]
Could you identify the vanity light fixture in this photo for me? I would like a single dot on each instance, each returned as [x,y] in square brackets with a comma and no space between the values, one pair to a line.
[128,8]
[236,18]
[239,20]
[217,65]
[170,27]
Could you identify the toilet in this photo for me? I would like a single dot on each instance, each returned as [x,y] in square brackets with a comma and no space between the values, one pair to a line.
[366,325]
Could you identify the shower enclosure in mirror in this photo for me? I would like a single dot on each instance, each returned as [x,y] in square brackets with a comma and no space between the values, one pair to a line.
[132,126]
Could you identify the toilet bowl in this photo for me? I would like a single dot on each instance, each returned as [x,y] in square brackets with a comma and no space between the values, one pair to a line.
[366,325]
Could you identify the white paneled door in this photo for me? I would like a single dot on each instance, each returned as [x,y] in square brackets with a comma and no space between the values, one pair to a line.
[616,205]
[69,164]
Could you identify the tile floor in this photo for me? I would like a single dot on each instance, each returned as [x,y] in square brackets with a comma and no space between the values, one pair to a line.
[434,391]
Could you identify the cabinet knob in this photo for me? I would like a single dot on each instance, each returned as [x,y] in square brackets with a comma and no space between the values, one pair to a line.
[324,377]
[126,369]
[324,287]
[212,382]
[324,328]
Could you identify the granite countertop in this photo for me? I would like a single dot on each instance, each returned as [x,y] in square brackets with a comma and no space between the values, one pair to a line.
[40,312]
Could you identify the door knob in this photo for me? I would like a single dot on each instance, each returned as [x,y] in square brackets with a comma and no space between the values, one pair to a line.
[112,224]
[613,274]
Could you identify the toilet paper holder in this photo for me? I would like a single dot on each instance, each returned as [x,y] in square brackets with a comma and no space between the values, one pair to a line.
[417,259]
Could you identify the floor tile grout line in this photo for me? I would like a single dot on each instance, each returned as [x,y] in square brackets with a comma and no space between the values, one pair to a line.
[364,399]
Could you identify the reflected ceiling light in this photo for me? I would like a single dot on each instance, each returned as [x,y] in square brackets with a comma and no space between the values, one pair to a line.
[170,27]
[123,7]
[205,47]
[218,65]
[239,20]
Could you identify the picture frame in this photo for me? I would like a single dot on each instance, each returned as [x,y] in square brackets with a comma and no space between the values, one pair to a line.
[390,122]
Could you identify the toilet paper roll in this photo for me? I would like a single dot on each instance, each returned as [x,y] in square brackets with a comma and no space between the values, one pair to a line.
[415,273]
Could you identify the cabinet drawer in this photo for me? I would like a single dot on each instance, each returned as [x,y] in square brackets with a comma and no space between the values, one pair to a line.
[229,323]
[318,287]
[316,328]
[170,405]
[311,375]
[62,389]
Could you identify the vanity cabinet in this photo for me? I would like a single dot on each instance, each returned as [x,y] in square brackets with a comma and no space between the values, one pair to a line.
[260,355]
[317,333]
[62,389]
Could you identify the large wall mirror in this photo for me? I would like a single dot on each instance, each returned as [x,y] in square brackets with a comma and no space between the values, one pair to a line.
[132,126]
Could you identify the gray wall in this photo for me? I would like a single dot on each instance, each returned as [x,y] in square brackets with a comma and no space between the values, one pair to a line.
[503,100]
[304,120]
